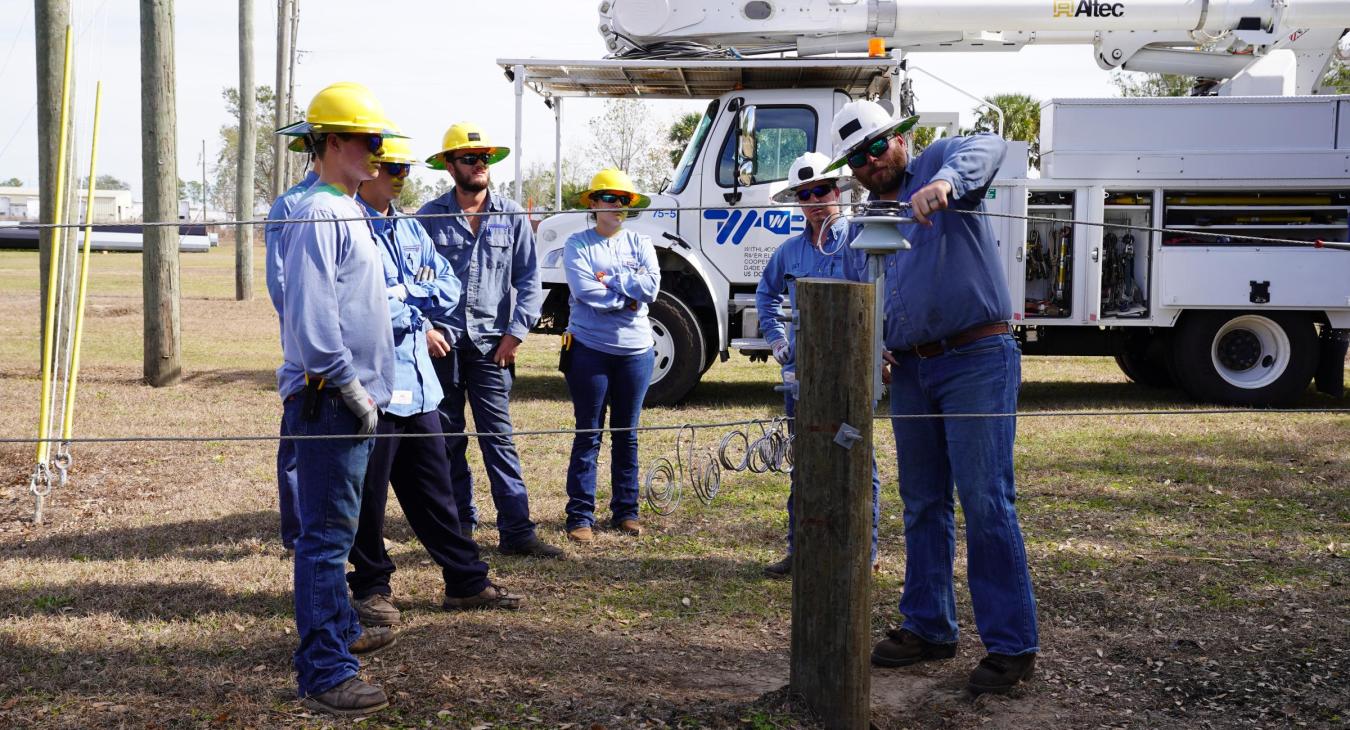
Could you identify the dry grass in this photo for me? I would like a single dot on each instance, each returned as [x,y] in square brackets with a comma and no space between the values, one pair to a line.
[1190,571]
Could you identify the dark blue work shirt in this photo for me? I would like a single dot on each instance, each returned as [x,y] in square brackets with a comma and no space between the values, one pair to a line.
[953,277]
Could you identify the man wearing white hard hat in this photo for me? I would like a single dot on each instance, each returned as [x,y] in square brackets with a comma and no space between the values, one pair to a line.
[818,251]
[951,350]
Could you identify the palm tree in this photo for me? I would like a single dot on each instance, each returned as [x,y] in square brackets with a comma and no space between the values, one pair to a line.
[1021,120]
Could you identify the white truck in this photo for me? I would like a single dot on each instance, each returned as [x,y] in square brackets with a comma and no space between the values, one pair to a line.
[1228,319]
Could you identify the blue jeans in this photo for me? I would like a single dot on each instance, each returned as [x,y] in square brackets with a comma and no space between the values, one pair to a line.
[469,376]
[598,382]
[974,455]
[329,474]
[790,408]
[288,503]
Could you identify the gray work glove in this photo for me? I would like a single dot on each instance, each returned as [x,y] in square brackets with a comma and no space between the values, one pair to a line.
[398,291]
[425,275]
[361,405]
[781,351]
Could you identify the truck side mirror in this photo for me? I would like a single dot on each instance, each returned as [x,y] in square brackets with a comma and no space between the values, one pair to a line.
[745,146]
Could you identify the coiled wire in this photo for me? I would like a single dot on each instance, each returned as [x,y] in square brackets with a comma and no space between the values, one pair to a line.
[664,483]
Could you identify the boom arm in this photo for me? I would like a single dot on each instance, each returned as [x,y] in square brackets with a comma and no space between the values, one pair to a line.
[1211,38]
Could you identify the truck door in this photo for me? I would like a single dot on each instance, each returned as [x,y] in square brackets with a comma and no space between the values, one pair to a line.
[1092,205]
[737,232]
[1011,234]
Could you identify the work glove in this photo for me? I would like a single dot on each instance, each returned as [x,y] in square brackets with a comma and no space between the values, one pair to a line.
[782,351]
[361,405]
[425,275]
[398,291]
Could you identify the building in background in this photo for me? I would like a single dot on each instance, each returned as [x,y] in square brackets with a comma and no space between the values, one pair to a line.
[110,206]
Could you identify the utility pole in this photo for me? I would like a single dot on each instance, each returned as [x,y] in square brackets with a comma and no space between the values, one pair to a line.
[203,184]
[832,489]
[163,364]
[287,173]
[243,180]
[50,19]
[283,103]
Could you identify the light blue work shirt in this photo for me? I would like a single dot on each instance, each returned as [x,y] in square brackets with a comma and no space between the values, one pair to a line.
[796,258]
[281,210]
[405,249]
[952,279]
[495,266]
[336,316]
[611,315]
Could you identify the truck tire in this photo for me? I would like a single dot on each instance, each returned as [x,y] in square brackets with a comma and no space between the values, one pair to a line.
[1245,358]
[679,351]
[1143,359]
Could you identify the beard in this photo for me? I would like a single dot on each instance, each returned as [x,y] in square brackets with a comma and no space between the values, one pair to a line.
[470,181]
[886,177]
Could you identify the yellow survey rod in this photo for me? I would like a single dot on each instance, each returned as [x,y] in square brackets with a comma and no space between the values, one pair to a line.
[68,416]
[53,265]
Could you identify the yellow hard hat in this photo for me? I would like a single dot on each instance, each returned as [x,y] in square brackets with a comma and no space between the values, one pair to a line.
[343,107]
[466,136]
[397,149]
[612,180]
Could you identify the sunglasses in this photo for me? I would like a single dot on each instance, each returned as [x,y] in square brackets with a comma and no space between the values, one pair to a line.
[611,198]
[473,158]
[818,191]
[374,142]
[395,169]
[873,150]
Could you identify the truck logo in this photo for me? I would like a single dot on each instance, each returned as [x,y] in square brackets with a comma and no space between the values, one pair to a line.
[1089,8]
[736,224]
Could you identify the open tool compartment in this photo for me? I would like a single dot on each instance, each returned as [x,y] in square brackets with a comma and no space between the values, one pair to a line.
[1049,254]
[1127,254]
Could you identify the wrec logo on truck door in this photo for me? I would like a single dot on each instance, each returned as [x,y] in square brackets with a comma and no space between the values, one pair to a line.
[735,224]
[1089,8]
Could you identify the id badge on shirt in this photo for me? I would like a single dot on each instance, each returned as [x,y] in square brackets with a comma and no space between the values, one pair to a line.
[401,398]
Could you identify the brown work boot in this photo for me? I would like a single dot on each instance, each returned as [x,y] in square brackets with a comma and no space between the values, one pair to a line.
[903,647]
[373,639]
[493,596]
[533,547]
[780,569]
[631,528]
[352,698]
[377,610]
[997,673]
[583,535]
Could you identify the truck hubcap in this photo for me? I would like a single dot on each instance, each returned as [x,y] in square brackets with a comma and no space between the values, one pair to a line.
[1250,351]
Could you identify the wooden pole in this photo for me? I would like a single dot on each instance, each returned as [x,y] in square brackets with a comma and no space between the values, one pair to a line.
[50,18]
[287,159]
[162,360]
[243,188]
[282,107]
[831,568]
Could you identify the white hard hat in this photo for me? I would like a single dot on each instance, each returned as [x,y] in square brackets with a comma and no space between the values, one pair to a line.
[806,171]
[861,121]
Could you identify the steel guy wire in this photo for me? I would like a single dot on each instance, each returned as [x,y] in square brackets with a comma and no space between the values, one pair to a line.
[1336,245]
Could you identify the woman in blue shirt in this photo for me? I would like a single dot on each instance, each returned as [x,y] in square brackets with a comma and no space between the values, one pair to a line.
[607,354]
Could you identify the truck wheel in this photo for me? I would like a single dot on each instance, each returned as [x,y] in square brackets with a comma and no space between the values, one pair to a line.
[1143,359]
[1245,358]
[679,351]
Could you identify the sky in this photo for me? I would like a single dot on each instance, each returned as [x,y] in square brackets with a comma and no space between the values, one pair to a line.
[430,62]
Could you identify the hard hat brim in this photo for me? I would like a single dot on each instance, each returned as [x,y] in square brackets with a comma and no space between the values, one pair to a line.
[788,194]
[301,129]
[497,155]
[895,126]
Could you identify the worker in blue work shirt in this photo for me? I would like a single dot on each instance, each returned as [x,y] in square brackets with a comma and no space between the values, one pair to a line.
[607,356]
[338,364]
[490,246]
[281,210]
[419,285]
[951,350]
[817,252]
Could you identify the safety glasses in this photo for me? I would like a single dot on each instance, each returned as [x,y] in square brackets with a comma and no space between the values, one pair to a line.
[622,199]
[872,150]
[373,141]
[473,158]
[395,169]
[818,191]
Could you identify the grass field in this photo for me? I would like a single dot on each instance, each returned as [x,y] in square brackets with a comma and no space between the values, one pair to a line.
[1191,571]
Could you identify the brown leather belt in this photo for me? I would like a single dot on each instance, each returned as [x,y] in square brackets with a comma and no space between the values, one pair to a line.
[933,349]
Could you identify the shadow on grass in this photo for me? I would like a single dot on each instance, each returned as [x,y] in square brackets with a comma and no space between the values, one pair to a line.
[221,538]
[265,379]
[140,600]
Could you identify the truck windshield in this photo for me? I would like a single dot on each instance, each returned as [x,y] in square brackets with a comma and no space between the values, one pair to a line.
[686,167]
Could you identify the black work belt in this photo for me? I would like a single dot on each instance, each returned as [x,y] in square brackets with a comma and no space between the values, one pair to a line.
[933,349]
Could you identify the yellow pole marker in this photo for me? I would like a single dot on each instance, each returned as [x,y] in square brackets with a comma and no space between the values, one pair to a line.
[53,265]
[68,416]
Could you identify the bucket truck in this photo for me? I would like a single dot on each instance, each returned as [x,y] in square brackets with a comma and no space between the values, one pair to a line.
[1265,155]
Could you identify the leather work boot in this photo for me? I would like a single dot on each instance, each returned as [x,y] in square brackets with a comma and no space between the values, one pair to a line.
[353,698]
[373,639]
[780,569]
[533,547]
[904,647]
[584,535]
[997,673]
[493,596]
[377,610]
[631,528]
